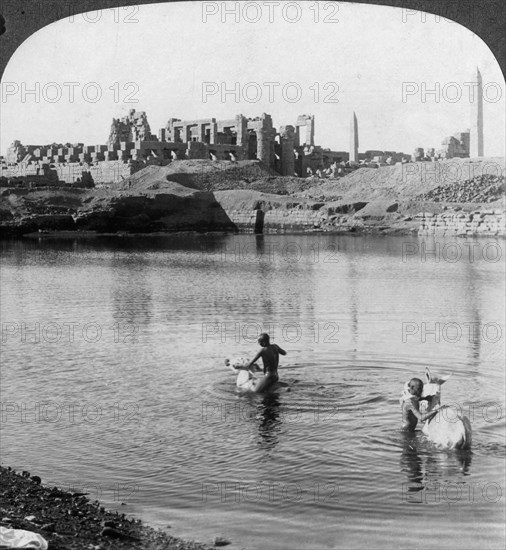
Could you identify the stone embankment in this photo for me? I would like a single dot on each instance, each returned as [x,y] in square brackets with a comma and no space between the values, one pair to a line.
[252,211]
[275,217]
[479,222]
[255,211]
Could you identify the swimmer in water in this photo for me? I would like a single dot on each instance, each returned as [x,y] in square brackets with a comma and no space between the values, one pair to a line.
[270,357]
[410,406]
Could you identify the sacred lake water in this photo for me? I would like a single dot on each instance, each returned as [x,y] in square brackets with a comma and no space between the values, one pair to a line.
[113,383]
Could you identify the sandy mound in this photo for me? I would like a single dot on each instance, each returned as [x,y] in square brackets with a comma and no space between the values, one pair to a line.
[202,175]
[456,180]
[411,180]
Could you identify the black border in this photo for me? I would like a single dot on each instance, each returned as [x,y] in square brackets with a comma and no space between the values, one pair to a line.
[21,18]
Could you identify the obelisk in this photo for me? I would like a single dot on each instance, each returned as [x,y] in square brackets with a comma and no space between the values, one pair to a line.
[476,137]
[354,139]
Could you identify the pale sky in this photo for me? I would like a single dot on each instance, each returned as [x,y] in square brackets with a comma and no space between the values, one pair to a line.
[162,54]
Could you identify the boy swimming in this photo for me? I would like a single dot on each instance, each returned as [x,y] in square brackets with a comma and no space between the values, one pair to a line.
[411,407]
[270,357]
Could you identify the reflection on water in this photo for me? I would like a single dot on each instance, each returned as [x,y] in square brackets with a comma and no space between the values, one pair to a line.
[437,477]
[269,423]
[424,467]
[411,463]
[170,309]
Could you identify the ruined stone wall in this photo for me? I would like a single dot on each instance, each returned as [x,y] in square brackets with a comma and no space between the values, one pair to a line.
[24,169]
[479,222]
[133,127]
[118,162]
[287,150]
[222,152]
[102,172]
[73,172]
[304,130]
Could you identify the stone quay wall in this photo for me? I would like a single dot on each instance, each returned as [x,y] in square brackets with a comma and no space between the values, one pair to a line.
[276,220]
[274,213]
[301,219]
[478,222]
[274,216]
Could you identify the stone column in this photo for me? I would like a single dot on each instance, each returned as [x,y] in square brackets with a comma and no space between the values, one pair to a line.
[272,147]
[287,155]
[265,136]
[263,146]
[297,136]
[241,125]
[202,132]
[305,165]
[310,131]
[214,133]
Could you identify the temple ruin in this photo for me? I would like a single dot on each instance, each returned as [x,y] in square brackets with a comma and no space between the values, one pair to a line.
[131,146]
[290,151]
[130,128]
[456,146]
[465,144]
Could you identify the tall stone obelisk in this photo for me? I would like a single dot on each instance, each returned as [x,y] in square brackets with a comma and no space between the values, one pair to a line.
[476,137]
[354,139]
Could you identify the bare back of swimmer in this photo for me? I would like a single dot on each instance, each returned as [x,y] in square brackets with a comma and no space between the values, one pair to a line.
[270,358]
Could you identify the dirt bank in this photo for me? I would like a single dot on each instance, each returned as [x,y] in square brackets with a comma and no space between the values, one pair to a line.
[69,521]
[203,195]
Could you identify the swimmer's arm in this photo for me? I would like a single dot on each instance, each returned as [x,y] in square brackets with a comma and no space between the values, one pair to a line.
[254,360]
[422,417]
[430,414]
[280,350]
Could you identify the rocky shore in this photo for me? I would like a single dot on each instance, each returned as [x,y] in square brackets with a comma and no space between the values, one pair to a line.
[69,521]
[200,195]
